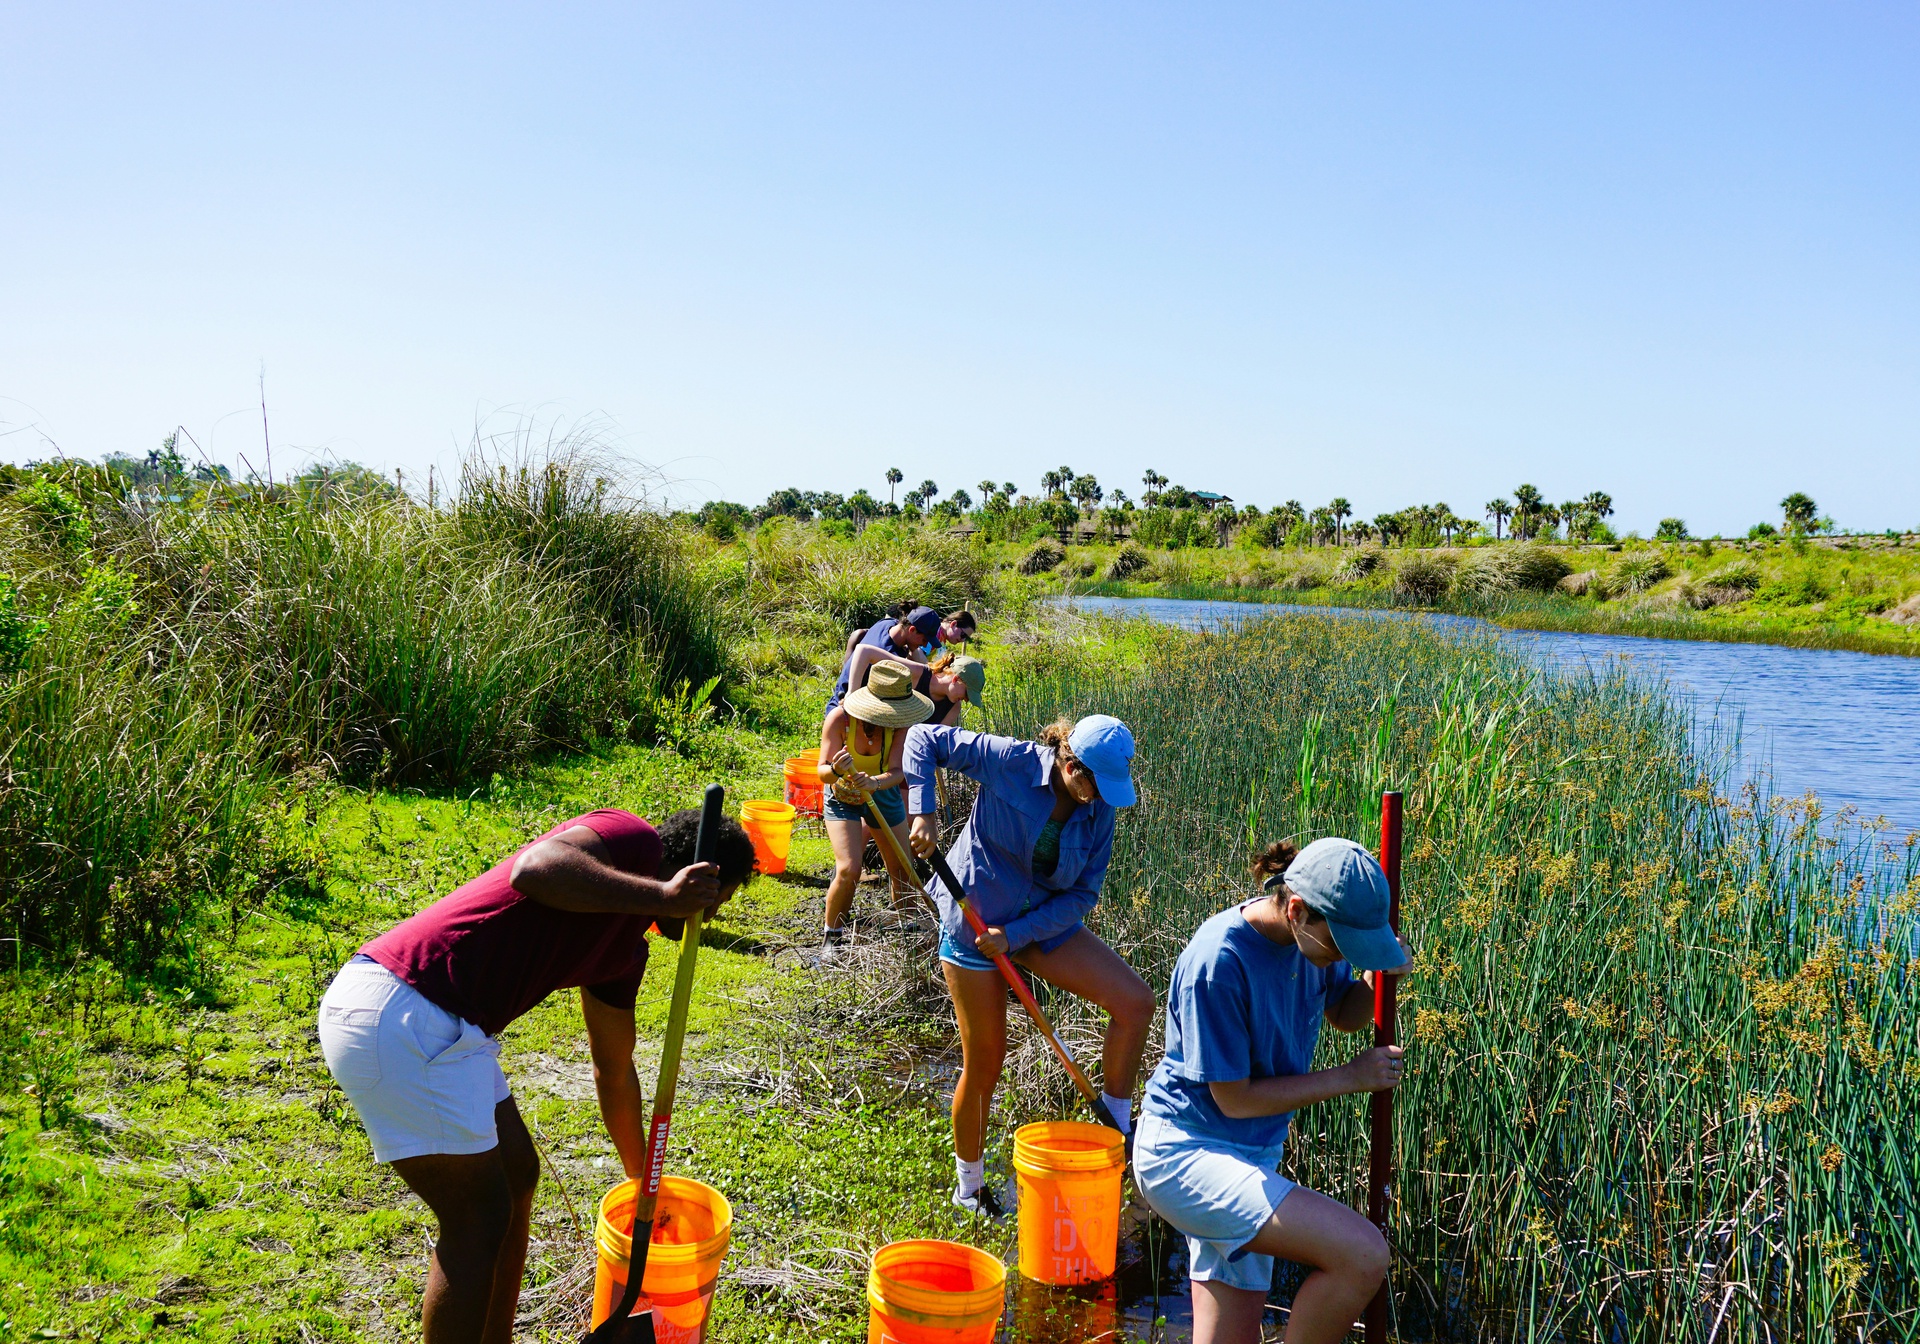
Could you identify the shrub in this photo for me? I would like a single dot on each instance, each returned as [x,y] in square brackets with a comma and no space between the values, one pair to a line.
[1582,584]
[1638,572]
[1671,529]
[1358,564]
[1507,569]
[1303,577]
[1129,560]
[1423,577]
[1045,555]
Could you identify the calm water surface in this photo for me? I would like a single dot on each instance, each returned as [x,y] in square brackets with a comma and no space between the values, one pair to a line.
[1844,725]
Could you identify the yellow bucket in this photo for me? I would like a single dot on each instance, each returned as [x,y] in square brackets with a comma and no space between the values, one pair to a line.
[769,824]
[934,1292]
[1069,1175]
[691,1226]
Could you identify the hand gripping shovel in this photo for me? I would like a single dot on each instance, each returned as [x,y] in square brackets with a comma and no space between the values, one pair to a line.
[1014,981]
[623,1327]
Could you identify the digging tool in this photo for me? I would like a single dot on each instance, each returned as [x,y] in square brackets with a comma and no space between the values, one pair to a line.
[622,1326]
[1380,1154]
[1014,982]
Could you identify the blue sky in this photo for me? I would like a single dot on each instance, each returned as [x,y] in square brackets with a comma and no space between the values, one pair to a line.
[1395,252]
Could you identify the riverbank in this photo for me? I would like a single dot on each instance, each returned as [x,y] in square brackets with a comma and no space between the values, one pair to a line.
[180,1163]
[177,1159]
[1865,600]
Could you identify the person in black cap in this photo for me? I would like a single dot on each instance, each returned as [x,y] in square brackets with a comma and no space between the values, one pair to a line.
[906,637]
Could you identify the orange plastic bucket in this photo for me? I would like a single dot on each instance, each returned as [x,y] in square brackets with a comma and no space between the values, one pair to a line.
[934,1292]
[691,1226]
[769,824]
[803,783]
[1069,1175]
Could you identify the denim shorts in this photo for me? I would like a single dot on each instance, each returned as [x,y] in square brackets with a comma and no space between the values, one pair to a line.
[891,802]
[969,958]
[1219,1194]
[422,1080]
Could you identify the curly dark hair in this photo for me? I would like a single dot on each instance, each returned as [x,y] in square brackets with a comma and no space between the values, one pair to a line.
[734,853]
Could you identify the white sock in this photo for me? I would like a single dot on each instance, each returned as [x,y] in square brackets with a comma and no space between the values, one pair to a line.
[1121,1109]
[971,1175]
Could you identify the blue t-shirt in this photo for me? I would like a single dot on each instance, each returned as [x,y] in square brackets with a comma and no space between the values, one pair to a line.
[1240,1006]
[880,635]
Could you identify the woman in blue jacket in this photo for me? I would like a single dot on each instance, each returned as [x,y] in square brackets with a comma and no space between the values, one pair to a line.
[1032,857]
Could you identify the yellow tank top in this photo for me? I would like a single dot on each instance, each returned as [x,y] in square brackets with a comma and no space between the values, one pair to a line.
[874,763]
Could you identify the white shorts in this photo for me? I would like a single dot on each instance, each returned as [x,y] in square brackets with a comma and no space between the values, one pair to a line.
[422,1080]
[1220,1195]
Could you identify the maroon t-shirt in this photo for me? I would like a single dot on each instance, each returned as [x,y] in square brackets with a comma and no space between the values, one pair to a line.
[489,954]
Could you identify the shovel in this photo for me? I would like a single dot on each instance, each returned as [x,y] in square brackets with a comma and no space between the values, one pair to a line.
[623,1327]
[1013,978]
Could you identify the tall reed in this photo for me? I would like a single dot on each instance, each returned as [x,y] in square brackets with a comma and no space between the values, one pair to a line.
[1664,1079]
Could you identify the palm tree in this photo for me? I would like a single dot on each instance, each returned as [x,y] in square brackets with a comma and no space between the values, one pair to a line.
[1050,483]
[1444,520]
[987,489]
[1086,491]
[1341,511]
[928,493]
[894,477]
[1007,489]
[1526,508]
[1498,510]
[1153,481]
[1599,504]
[960,500]
[1800,511]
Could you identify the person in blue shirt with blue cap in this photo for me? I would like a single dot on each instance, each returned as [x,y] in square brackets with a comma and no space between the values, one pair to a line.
[1243,1017]
[1031,857]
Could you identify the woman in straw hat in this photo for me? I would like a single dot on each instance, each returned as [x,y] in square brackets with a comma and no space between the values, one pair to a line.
[950,680]
[861,744]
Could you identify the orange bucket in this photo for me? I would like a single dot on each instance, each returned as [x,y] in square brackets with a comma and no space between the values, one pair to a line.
[1069,1174]
[769,824]
[934,1292]
[803,783]
[692,1224]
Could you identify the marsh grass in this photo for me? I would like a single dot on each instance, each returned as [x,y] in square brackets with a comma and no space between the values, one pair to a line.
[1665,1078]
[177,672]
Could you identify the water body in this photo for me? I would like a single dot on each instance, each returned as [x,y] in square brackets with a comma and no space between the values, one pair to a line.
[1845,726]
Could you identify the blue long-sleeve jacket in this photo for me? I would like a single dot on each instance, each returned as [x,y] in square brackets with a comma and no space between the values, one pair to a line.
[993,856]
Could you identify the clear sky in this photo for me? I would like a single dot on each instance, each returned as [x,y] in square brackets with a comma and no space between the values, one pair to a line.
[1397,252]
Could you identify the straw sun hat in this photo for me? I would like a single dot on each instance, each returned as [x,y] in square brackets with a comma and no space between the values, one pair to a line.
[888,700]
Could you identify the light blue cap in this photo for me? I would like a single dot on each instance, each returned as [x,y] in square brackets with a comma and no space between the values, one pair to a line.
[1104,745]
[1340,881]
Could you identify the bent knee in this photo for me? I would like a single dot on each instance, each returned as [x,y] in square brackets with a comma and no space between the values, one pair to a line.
[1133,1004]
[1369,1258]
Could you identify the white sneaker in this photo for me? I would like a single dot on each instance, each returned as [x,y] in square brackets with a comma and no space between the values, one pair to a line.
[982,1202]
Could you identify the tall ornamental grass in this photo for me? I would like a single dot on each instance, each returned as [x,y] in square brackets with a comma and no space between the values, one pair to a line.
[1664,1081]
[166,664]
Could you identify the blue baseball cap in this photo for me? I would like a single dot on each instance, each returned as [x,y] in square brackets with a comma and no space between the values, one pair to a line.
[1340,881]
[1104,745]
[926,620]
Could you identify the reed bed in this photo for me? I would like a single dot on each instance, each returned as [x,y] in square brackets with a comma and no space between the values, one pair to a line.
[1665,1080]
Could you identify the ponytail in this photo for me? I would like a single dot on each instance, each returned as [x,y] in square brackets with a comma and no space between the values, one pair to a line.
[1272,861]
[1056,735]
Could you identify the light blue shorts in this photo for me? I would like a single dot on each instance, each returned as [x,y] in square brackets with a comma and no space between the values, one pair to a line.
[1218,1194]
[969,958]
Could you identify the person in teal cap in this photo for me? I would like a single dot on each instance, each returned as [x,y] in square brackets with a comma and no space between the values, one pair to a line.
[1032,857]
[1243,1017]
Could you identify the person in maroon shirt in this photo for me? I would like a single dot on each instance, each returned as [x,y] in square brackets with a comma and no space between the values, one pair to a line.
[409,1030]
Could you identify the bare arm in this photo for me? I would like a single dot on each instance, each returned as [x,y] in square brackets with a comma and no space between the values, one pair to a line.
[610,1039]
[833,742]
[1354,1012]
[574,871]
[1374,1071]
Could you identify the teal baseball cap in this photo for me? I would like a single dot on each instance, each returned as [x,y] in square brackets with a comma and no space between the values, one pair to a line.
[1343,883]
[1105,746]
